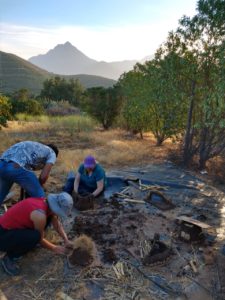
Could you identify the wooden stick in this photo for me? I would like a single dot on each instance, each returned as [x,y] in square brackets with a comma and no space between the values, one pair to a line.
[120,195]
[191,262]
[153,187]
[124,190]
[134,201]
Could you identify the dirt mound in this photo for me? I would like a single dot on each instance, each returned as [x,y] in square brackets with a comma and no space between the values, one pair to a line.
[84,251]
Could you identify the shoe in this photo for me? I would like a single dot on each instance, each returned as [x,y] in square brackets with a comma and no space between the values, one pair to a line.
[10,266]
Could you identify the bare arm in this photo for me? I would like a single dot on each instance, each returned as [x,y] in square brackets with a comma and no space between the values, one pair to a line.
[39,220]
[100,187]
[77,182]
[59,228]
[45,173]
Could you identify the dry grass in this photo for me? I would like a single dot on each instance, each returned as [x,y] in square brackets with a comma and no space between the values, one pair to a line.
[113,148]
[84,242]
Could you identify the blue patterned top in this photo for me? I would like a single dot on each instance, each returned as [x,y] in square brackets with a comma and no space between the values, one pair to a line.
[30,155]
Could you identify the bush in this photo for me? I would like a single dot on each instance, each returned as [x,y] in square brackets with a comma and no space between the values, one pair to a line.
[61,108]
[103,105]
[5,110]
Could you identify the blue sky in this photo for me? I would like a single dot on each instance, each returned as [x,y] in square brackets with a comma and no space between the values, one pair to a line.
[103,29]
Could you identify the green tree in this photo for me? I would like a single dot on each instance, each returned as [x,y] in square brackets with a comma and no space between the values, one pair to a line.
[165,93]
[102,104]
[5,110]
[22,102]
[135,109]
[154,97]
[203,36]
[58,89]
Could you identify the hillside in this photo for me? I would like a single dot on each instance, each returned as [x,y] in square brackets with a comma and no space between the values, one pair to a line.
[66,59]
[17,73]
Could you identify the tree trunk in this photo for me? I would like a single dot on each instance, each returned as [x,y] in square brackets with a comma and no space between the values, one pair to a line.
[187,149]
[160,140]
[203,153]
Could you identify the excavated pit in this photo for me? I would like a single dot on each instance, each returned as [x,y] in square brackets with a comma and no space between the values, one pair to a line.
[119,231]
[159,253]
[80,257]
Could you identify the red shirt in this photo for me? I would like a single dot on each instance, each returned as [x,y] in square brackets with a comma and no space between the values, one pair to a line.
[18,216]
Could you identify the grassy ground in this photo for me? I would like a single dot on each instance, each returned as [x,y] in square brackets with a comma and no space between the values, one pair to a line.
[78,136]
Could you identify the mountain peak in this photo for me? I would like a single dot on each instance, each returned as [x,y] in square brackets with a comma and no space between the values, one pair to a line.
[68,44]
[66,59]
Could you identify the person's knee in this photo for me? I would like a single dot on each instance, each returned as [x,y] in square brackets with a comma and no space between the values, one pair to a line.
[68,187]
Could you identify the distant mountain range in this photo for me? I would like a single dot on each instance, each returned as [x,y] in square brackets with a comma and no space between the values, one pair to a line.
[17,73]
[65,59]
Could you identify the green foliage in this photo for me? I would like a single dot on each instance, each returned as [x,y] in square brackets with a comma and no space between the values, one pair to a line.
[5,110]
[135,109]
[153,92]
[72,124]
[102,104]
[32,118]
[182,89]
[204,37]
[58,89]
[22,103]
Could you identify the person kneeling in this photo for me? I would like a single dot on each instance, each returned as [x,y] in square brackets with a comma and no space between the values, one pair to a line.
[88,183]
[22,227]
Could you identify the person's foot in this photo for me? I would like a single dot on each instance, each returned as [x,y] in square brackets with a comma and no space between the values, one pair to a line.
[10,266]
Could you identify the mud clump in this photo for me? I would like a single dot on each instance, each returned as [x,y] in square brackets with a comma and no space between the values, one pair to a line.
[109,256]
[84,202]
[84,251]
[158,254]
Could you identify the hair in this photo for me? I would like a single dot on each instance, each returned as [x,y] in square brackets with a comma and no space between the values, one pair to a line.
[54,148]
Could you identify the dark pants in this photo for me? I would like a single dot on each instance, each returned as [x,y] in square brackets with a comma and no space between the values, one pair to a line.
[82,189]
[17,242]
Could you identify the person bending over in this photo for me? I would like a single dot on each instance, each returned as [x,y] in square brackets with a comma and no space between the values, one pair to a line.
[18,162]
[22,227]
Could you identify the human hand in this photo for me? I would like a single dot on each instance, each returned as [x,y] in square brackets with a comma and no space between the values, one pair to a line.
[59,250]
[68,244]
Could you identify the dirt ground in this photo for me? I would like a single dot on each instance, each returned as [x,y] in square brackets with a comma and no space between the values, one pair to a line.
[120,229]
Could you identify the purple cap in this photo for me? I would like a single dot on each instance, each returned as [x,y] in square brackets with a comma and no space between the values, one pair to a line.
[89,162]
